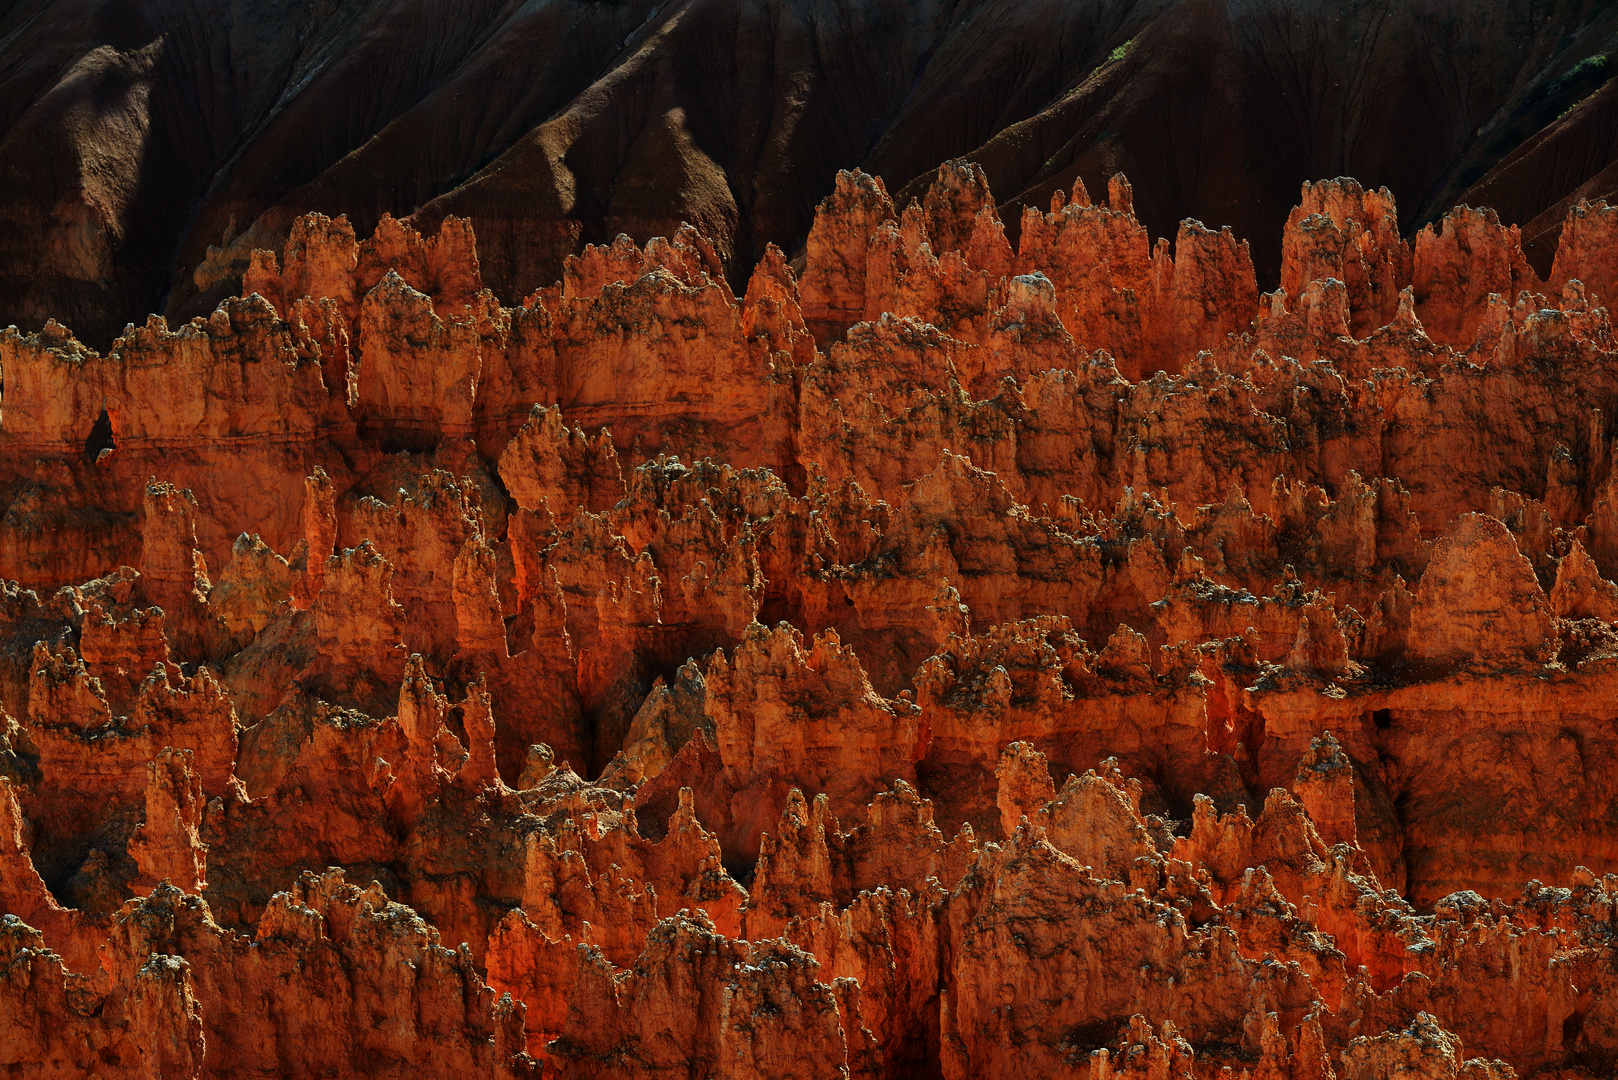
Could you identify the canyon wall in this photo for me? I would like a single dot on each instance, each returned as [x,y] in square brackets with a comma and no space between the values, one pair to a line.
[950,658]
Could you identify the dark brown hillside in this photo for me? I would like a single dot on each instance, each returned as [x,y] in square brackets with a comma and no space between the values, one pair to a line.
[147,148]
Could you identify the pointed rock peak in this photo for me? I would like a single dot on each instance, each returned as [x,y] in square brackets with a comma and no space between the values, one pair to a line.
[797,814]
[1127,654]
[1479,599]
[987,250]
[1422,1049]
[393,288]
[1325,755]
[1344,200]
[1120,195]
[953,616]
[856,184]
[1325,301]
[1034,288]
[1573,296]
[959,192]
[1580,592]
[1320,646]
[390,230]
[954,483]
[772,274]
[1030,303]
[901,803]
[1276,302]
[1236,502]
[417,694]
[832,286]
[1024,783]
[914,233]
[1406,318]
[1585,250]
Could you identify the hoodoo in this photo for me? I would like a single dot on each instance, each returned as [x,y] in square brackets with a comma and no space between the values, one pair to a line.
[956,656]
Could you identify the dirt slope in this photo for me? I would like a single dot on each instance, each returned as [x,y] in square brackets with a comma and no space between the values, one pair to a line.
[137,137]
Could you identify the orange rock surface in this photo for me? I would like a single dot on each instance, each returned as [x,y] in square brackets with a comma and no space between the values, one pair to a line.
[950,658]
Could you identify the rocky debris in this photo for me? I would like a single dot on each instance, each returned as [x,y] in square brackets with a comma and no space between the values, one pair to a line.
[947,660]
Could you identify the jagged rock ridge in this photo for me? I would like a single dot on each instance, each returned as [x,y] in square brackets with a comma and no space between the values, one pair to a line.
[956,658]
[150,147]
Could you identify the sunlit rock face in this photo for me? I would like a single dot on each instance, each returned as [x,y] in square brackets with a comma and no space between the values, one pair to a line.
[952,658]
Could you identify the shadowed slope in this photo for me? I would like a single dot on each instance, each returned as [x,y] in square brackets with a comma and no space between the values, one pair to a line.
[149,147]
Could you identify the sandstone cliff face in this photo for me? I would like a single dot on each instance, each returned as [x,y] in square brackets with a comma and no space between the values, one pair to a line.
[954,658]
